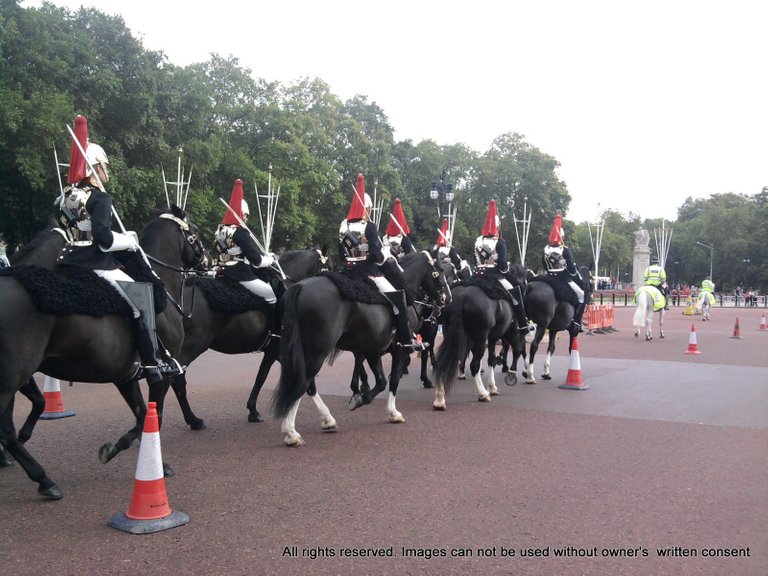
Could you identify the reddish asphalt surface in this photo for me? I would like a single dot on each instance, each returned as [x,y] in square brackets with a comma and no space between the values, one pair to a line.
[665,451]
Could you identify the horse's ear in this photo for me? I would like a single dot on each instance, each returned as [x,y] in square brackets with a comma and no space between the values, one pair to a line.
[324,250]
[178,212]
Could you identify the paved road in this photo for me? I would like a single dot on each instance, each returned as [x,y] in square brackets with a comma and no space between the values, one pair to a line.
[665,452]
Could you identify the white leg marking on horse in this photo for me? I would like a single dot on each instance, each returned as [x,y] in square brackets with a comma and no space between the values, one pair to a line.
[547,364]
[492,388]
[327,421]
[439,403]
[482,393]
[292,437]
[530,379]
[394,416]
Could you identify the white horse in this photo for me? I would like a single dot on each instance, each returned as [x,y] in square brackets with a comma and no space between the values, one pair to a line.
[649,300]
[704,304]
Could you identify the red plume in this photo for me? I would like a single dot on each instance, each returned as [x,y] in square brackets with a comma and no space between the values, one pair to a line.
[236,203]
[490,228]
[357,209]
[399,215]
[77,164]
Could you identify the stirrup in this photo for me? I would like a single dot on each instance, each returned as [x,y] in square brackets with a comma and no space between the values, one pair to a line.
[528,327]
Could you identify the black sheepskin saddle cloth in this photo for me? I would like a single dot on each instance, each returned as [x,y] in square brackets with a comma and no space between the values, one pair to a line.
[491,286]
[563,292]
[356,287]
[69,290]
[227,296]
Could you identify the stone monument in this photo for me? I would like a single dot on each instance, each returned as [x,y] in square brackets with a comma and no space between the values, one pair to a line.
[641,257]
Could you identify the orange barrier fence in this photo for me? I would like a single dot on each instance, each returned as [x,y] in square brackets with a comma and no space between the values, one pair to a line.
[598,318]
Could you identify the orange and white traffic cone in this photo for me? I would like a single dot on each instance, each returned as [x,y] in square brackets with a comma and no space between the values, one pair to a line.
[693,347]
[149,510]
[574,381]
[762,323]
[54,405]
[736,331]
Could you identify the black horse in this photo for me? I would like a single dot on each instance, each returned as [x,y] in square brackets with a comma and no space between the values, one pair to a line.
[426,324]
[237,333]
[83,347]
[551,313]
[318,322]
[478,316]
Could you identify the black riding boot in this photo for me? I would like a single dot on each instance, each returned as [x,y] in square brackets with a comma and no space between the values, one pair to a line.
[403,334]
[153,366]
[575,326]
[518,308]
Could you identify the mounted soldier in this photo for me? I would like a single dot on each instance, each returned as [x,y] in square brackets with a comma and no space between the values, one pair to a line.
[241,259]
[87,206]
[361,249]
[444,249]
[397,237]
[559,264]
[491,262]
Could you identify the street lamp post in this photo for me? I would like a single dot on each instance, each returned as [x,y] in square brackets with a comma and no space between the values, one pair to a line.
[674,274]
[442,194]
[711,256]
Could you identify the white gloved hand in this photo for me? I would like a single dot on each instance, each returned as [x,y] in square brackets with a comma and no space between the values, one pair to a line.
[122,242]
[266,261]
[133,235]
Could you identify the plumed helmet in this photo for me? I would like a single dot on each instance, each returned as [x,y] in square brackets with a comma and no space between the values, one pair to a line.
[398,217]
[236,203]
[77,163]
[444,237]
[357,210]
[491,227]
[96,154]
[557,234]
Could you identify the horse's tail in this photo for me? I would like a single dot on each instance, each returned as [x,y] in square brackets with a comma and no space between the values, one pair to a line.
[641,297]
[293,382]
[454,347]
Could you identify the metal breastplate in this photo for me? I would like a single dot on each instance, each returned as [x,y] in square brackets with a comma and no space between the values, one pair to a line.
[554,259]
[485,250]
[354,242]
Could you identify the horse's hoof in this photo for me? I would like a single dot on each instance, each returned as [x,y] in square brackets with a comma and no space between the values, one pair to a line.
[486,398]
[255,417]
[462,376]
[510,378]
[332,427]
[5,460]
[426,384]
[636,334]
[546,377]
[494,392]
[168,471]
[52,492]
[294,442]
[199,424]
[355,401]
[107,452]
[438,407]
[662,336]
[396,418]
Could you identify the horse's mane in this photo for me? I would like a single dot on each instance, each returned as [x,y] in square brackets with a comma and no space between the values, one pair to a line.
[42,237]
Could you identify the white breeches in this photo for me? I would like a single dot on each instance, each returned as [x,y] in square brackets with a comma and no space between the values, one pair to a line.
[577,290]
[261,288]
[112,276]
[384,286]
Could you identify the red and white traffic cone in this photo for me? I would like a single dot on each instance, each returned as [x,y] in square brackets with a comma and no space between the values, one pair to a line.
[149,510]
[762,323]
[574,381]
[54,404]
[736,331]
[693,347]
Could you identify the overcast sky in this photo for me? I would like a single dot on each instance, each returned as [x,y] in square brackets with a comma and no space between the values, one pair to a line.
[642,103]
